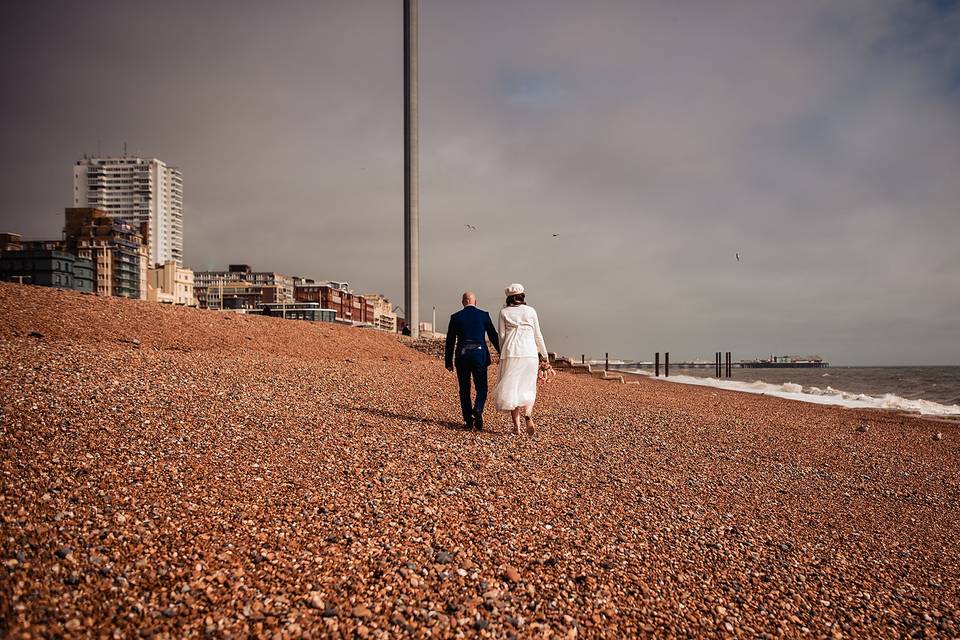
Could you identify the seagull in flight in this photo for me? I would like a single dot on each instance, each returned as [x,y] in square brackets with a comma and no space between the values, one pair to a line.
[555,235]
[738,257]
[470,227]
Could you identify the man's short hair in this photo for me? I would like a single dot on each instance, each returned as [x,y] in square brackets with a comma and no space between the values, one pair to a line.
[469,297]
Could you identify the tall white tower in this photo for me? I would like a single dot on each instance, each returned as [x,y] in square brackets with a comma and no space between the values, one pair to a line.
[411,167]
[138,190]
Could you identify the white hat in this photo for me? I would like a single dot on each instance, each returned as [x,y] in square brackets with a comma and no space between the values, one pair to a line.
[514,289]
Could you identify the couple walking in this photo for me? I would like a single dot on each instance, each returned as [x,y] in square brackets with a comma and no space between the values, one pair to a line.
[523,357]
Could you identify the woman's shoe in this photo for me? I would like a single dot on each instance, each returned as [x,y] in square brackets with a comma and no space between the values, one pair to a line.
[530,424]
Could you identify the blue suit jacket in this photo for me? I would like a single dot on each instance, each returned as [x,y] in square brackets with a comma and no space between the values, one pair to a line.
[467,328]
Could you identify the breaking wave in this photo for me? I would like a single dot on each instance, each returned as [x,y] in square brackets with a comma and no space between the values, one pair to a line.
[826,395]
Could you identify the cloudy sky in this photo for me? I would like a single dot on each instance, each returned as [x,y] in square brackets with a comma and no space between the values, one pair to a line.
[819,139]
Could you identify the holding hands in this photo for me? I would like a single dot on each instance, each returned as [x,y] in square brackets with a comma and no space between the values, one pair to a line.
[545,372]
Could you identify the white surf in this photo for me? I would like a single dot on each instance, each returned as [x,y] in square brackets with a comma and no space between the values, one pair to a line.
[826,395]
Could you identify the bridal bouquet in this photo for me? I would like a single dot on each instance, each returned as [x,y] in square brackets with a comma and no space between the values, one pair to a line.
[546,372]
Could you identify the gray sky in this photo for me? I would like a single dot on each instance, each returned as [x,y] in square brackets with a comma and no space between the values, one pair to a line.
[819,139]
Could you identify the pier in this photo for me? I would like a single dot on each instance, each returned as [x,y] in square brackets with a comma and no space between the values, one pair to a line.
[723,363]
[784,365]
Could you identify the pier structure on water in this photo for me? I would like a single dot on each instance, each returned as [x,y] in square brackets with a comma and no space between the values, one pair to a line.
[772,362]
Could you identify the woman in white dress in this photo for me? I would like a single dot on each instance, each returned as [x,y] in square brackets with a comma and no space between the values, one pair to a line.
[521,350]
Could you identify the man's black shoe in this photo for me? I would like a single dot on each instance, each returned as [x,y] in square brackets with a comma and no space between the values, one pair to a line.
[478,421]
[468,424]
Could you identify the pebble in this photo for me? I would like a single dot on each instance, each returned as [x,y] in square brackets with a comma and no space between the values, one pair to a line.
[361,611]
[239,478]
[511,574]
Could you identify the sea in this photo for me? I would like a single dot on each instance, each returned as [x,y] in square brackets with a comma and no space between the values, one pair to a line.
[932,391]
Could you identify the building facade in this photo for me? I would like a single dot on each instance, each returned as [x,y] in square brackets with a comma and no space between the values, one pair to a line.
[310,311]
[11,242]
[115,248]
[170,284]
[210,287]
[46,268]
[384,318]
[348,306]
[142,191]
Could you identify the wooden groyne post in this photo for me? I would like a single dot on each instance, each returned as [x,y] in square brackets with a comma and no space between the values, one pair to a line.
[666,364]
[656,365]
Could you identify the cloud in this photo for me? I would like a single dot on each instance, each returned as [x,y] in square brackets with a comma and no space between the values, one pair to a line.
[820,140]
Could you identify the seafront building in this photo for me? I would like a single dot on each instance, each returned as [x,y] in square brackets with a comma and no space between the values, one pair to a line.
[142,191]
[115,248]
[43,263]
[348,306]
[298,311]
[384,318]
[244,296]
[11,242]
[242,287]
[170,284]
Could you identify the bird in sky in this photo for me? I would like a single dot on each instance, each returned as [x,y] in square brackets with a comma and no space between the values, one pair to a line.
[738,257]
[470,227]
[555,235]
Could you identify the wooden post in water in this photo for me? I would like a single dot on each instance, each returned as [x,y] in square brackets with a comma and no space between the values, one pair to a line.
[583,358]
[606,362]
[666,364]
[716,362]
[656,365]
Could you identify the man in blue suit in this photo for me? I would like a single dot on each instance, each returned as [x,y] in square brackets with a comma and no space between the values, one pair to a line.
[467,348]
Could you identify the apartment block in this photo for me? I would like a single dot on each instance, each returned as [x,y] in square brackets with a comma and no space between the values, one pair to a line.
[146,192]
[115,248]
[212,287]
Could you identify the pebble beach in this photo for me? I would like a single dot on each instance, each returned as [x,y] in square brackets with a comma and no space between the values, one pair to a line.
[181,473]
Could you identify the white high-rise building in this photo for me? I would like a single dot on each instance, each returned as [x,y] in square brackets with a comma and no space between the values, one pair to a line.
[138,190]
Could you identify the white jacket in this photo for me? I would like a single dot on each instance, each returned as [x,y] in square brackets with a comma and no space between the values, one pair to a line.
[519,330]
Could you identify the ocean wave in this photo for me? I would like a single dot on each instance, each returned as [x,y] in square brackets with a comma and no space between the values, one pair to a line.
[827,395]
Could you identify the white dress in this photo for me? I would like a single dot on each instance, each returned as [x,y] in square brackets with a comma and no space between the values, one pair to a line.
[520,345]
